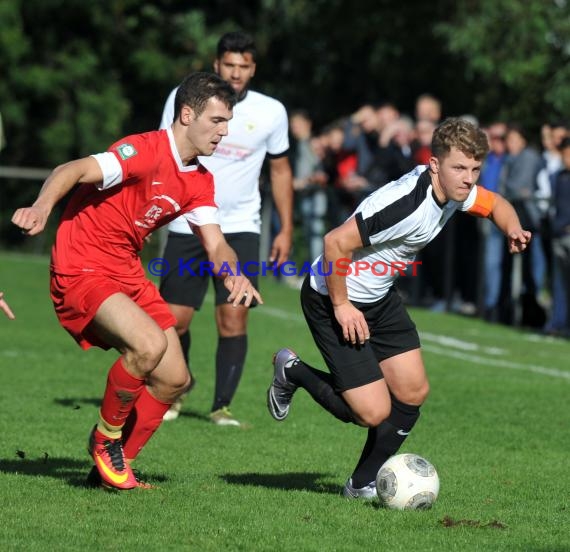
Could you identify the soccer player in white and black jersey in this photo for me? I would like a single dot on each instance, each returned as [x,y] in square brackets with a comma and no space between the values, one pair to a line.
[259,129]
[368,341]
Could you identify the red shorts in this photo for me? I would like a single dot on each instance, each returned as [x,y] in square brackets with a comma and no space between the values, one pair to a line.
[77,298]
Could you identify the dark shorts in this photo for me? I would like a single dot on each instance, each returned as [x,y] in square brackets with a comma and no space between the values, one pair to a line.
[186,283]
[391,332]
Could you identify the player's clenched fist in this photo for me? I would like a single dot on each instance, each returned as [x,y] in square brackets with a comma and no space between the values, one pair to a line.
[31,220]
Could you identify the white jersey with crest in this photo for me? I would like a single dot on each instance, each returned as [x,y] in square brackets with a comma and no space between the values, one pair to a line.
[259,127]
[395,222]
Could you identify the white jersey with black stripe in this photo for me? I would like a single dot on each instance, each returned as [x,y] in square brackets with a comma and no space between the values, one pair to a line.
[395,222]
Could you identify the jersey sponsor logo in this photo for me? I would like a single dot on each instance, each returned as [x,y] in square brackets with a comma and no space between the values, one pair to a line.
[126,150]
[159,207]
[232,152]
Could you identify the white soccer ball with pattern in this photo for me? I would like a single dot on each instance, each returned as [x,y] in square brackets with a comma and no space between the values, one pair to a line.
[407,482]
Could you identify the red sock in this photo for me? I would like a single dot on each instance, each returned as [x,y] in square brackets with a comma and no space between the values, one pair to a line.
[120,394]
[144,420]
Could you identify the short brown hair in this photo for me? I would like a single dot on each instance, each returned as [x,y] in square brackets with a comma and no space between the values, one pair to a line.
[197,88]
[459,133]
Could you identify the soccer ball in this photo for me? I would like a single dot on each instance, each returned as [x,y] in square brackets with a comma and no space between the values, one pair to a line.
[407,482]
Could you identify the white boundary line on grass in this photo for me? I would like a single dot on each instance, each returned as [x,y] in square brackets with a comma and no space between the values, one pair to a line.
[280,313]
[448,352]
[460,344]
[500,363]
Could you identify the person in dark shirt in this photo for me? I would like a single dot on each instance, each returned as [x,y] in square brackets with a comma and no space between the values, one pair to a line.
[494,240]
[561,226]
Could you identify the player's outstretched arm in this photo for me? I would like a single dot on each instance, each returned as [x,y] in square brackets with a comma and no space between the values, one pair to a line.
[5,307]
[32,220]
[225,262]
[506,219]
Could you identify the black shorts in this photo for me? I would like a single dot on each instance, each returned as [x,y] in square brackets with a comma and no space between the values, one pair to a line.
[391,332]
[186,282]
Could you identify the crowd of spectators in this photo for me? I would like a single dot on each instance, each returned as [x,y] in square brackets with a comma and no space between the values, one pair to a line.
[338,165]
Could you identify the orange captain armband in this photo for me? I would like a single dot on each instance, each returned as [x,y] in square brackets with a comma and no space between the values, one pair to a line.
[484,203]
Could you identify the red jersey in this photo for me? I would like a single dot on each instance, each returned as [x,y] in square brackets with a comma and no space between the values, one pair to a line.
[145,185]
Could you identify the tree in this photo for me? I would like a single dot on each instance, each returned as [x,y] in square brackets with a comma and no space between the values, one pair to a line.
[78,75]
[69,87]
[520,53]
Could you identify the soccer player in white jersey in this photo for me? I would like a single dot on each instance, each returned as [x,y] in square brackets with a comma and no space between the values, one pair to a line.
[259,128]
[368,341]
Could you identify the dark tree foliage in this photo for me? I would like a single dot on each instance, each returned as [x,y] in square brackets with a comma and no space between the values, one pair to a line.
[76,75]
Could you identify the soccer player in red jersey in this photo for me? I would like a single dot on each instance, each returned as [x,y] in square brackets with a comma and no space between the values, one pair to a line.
[98,285]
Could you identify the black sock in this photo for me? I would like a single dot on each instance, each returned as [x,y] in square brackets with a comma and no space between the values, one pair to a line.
[319,385]
[384,441]
[185,342]
[230,358]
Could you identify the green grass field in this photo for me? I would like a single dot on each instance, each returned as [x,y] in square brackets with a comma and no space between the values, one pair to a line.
[496,426]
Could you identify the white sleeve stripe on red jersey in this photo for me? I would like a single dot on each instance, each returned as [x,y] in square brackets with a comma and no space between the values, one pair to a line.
[202,215]
[111,169]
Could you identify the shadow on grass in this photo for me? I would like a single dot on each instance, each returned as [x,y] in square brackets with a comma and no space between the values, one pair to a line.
[200,417]
[72,471]
[195,415]
[76,402]
[296,481]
